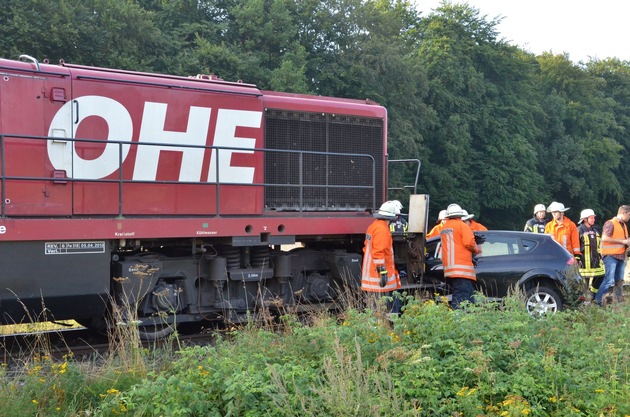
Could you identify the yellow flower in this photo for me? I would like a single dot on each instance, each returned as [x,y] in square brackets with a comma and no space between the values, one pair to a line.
[112,391]
[35,401]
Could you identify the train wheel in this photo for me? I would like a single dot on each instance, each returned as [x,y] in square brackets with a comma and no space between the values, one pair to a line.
[155,329]
[155,332]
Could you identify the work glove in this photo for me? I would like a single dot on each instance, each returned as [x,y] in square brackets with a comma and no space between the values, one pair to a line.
[480,239]
[578,259]
[383,274]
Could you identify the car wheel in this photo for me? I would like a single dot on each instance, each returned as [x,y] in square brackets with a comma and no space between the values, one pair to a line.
[542,300]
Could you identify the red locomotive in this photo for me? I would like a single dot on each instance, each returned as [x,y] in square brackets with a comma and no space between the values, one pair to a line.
[177,194]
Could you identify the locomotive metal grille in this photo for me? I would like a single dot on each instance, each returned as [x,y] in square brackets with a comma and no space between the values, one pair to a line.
[320,162]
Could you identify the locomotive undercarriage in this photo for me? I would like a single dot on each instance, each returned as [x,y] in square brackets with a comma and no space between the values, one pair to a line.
[162,286]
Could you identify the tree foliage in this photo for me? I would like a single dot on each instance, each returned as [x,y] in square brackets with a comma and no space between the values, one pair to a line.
[497,129]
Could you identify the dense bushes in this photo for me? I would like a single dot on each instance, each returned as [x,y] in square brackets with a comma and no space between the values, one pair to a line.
[487,361]
[432,361]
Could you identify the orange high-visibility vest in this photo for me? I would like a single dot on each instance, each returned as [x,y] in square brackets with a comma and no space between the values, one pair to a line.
[436,230]
[378,250]
[458,246]
[566,234]
[619,232]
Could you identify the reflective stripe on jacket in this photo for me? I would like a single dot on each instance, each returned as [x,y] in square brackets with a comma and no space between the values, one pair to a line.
[378,250]
[535,226]
[566,234]
[458,246]
[620,232]
[400,225]
[590,242]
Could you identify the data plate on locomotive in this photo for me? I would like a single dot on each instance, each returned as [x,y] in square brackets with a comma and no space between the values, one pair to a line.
[69,248]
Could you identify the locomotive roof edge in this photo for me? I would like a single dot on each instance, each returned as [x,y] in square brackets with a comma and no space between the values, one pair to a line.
[200,79]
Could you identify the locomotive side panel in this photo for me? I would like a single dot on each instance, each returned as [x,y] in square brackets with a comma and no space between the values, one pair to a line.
[53,280]
[27,100]
[170,169]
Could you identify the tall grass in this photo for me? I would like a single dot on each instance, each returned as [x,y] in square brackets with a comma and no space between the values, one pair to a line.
[490,360]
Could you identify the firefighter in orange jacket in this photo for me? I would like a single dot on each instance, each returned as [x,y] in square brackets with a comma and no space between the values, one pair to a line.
[378,274]
[438,226]
[563,230]
[475,226]
[458,247]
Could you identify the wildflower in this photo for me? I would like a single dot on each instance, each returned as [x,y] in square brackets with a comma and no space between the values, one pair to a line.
[112,391]
[34,401]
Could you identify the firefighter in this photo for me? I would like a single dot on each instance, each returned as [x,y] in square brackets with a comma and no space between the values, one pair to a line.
[537,223]
[438,226]
[475,226]
[590,241]
[379,276]
[458,248]
[563,230]
[399,225]
[615,242]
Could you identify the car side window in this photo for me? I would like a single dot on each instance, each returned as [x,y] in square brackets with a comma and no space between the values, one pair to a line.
[434,250]
[528,245]
[500,246]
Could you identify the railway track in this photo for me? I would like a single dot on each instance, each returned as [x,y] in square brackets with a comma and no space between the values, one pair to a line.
[82,344]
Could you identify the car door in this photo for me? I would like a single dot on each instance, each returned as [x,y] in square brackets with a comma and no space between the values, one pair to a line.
[500,265]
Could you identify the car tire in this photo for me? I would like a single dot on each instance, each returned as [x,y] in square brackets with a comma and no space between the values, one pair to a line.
[540,301]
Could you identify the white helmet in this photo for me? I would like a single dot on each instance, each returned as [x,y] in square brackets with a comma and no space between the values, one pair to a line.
[586,213]
[387,211]
[398,206]
[468,216]
[539,207]
[442,215]
[454,210]
[555,206]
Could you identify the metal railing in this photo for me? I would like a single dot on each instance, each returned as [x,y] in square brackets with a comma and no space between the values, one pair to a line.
[366,185]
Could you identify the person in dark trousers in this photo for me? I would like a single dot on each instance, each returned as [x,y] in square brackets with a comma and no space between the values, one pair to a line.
[379,276]
[458,248]
[615,242]
[592,267]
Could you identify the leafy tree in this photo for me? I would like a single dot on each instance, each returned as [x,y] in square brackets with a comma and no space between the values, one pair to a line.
[481,153]
[581,151]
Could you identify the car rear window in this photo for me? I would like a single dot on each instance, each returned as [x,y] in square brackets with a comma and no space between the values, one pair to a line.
[506,245]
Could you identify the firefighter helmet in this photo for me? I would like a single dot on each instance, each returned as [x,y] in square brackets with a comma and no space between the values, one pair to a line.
[442,215]
[539,207]
[387,211]
[555,206]
[397,206]
[454,210]
[586,213]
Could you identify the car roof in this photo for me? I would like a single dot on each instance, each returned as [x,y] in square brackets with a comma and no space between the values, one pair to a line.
[514,233]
